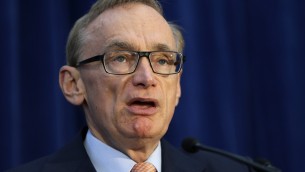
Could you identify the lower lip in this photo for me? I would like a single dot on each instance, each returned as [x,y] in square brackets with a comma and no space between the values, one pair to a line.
[142,110]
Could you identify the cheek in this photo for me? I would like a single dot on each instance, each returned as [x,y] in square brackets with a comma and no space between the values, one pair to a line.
[171,91]
[101,94]
[103,100]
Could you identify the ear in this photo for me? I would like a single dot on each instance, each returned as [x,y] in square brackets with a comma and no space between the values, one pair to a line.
[178,92]
[71,85]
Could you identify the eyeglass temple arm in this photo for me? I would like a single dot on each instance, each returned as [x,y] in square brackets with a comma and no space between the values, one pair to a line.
[92,59]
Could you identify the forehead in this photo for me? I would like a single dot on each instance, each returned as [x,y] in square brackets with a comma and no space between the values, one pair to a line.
[139,26]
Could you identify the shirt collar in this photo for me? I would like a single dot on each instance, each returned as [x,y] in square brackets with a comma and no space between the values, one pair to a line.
[107,159]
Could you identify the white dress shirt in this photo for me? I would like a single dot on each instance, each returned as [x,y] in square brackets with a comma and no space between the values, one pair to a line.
[107,159]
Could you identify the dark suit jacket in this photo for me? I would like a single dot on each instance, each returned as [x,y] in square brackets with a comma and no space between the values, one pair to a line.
[73,158]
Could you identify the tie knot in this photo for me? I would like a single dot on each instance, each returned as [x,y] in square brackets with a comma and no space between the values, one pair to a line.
[143,167]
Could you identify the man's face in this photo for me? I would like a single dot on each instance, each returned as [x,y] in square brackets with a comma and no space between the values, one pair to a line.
[138,106]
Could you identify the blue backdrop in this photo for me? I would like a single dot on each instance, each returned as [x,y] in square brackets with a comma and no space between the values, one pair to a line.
[243,82]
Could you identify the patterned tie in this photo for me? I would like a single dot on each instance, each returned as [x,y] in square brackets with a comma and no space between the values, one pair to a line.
[143,167]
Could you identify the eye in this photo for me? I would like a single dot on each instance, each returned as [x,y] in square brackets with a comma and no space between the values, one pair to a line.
[163,58]
[120,59]
[162,61]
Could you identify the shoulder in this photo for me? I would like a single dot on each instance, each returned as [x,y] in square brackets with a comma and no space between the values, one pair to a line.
[71,157]
[32,166]
[200,161]
[218,163]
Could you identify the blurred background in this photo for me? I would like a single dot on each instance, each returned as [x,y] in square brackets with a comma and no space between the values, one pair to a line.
[243,85]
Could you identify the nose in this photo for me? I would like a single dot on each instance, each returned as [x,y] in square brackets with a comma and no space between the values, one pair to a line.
[144,76]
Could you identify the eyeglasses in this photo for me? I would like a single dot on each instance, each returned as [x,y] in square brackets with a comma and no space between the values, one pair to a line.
[126,62]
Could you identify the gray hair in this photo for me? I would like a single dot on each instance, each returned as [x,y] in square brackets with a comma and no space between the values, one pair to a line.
[76,39]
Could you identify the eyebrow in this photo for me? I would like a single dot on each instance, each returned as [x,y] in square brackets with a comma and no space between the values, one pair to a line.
[161,47]
[119,45]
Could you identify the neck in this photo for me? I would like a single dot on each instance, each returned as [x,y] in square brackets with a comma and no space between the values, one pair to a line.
[138,149]
[141,152]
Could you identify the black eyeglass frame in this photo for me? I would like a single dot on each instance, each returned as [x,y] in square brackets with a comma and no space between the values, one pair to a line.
[140,55]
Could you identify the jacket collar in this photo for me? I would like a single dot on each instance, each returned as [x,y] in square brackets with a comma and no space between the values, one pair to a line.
[73,157]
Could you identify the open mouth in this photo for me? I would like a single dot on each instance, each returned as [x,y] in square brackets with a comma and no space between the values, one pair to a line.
[143,103]
[142,106]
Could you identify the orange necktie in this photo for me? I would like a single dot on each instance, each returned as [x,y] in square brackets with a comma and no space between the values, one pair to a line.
[143,167]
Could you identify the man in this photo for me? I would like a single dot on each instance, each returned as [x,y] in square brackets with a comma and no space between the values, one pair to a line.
[124,68]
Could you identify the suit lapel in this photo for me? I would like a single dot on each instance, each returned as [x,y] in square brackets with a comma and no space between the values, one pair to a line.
[175,160]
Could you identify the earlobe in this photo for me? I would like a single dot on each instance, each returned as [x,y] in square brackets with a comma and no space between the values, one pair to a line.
[71,85]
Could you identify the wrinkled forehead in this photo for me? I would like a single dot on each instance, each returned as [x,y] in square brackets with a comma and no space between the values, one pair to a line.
[136,24]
